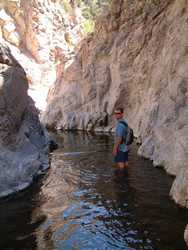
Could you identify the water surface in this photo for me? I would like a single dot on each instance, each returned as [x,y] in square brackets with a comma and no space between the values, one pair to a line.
[83,202]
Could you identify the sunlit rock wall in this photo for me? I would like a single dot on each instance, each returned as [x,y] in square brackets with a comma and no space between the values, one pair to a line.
[23,142]
[186,235]
[136,58]
[41,36]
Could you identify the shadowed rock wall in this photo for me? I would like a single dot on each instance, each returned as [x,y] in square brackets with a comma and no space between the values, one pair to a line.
[23,143]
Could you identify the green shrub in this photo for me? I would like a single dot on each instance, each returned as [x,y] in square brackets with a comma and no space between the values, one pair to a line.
[65,4]
[88,26]
[90,10]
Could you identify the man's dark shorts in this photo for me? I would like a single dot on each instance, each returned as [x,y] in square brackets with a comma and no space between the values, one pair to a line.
[121,157]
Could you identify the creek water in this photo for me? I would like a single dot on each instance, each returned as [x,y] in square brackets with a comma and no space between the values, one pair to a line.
[84,202]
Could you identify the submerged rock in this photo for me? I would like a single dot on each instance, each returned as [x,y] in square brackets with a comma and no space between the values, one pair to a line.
[23,142]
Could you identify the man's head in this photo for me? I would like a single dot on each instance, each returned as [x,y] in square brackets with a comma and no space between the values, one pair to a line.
[118,113]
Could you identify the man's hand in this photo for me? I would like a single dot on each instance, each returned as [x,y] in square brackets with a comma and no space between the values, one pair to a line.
[115,150]
[116,146]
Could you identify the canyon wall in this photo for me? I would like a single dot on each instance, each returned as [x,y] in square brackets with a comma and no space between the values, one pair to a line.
[23,141]
[136,58]
[41,35]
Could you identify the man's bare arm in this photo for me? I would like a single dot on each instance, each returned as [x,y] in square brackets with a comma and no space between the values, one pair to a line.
[116,145]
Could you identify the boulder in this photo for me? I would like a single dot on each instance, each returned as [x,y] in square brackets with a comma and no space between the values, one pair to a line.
[23,141]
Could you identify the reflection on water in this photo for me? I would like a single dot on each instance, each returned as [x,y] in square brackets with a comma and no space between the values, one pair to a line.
[85,203]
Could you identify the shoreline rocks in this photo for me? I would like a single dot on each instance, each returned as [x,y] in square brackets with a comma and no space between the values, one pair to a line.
[24,144]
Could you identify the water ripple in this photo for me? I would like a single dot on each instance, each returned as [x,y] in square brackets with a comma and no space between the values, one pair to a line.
[84,203]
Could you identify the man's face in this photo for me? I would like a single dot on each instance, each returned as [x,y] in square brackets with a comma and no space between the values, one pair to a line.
[118,114]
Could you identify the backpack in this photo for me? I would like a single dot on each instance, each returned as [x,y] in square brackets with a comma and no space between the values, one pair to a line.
[129,138]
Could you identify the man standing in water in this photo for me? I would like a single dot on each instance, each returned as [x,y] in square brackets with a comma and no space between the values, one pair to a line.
[120,150]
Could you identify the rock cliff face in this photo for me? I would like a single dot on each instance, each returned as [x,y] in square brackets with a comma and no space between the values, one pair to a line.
[136,58]
[23,144]
[41,36]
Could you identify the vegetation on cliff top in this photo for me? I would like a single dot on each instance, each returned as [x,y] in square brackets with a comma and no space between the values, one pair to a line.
[90,9]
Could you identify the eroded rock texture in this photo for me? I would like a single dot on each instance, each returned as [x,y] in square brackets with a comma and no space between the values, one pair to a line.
[41,36]
[23,144]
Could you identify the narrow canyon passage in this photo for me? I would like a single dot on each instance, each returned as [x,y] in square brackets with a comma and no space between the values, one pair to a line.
[84,203]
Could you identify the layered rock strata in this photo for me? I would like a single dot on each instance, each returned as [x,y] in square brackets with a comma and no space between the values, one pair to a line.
[23,142]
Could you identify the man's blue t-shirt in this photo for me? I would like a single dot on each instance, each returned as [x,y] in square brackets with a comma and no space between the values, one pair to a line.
[120,132]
